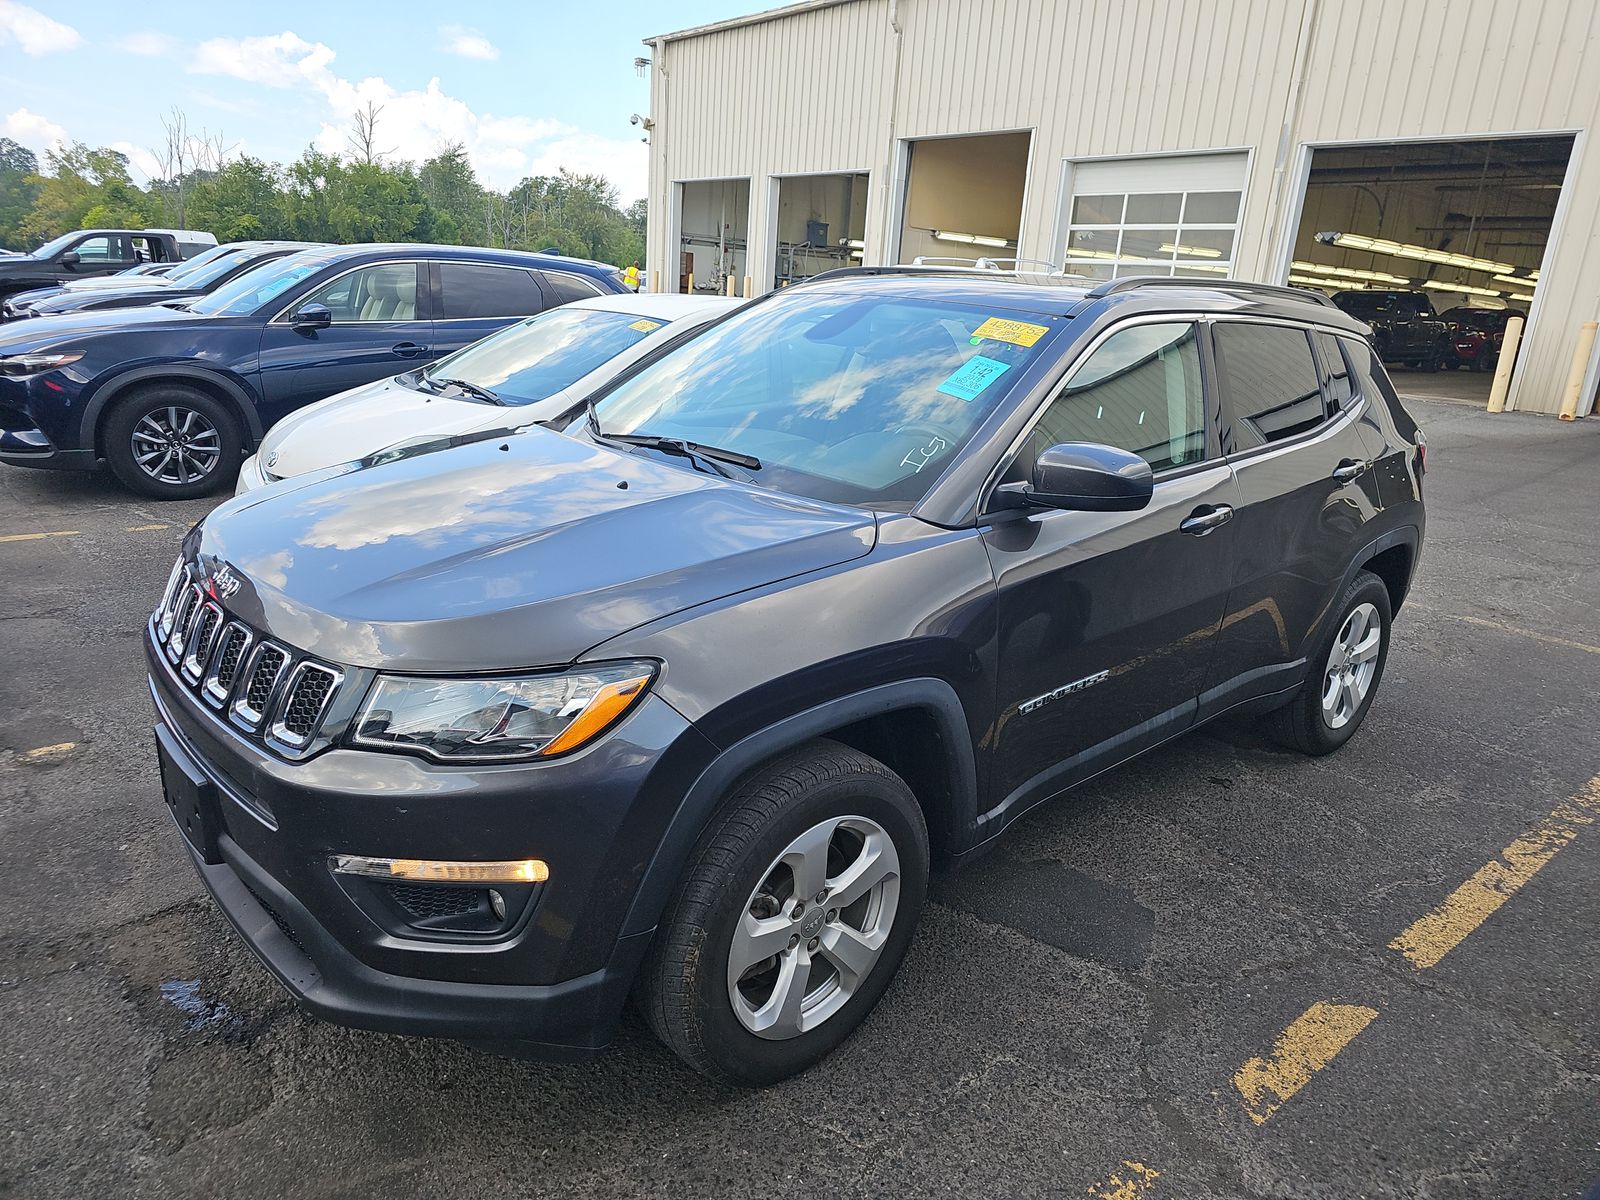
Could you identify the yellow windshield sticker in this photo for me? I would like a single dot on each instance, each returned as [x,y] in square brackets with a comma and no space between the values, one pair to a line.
[647,326]
[1018,333]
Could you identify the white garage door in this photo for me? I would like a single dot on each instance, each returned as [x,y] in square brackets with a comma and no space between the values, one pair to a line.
[1171,215]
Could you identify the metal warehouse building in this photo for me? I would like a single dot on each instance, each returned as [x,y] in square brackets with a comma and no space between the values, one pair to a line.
[1435,145]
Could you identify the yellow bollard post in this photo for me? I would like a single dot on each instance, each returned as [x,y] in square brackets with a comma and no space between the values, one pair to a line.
[1580,368]
[749,287]
[1502,373]
[733,283]
[690,288]
[655,281]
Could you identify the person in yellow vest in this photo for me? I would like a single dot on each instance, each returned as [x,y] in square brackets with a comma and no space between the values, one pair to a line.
[631,277]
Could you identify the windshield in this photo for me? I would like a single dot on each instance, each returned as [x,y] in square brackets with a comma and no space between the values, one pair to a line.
[201,275]
[1487,319]
[242,296]
[858,401]
[541,356]
[55,245]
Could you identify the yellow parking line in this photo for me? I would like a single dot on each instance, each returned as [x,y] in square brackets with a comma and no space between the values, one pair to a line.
[1429,939]
[1132,1186]
[42,753]
[1548,639]
[146,528]
[1304,1048]
[35,537]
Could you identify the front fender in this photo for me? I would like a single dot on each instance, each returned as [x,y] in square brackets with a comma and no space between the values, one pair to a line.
[238,391]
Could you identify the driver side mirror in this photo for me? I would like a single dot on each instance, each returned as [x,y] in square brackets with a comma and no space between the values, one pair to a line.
[311,317]
[1083,477]
[71,258]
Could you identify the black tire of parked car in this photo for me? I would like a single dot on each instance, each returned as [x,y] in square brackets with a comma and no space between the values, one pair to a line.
[1487,358]
[153,400]
[1436,356]
[683,987]
[1301,724]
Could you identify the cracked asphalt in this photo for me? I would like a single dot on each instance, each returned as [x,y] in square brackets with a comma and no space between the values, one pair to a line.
[1075,1006]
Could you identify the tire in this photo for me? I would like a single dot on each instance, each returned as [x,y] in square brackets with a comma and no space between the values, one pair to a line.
[211,440]
[1305,723]
[1486,360]
[687,988]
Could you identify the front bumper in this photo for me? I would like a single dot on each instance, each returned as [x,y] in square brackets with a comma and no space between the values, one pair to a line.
[555,985]
[38,423]
[251,476]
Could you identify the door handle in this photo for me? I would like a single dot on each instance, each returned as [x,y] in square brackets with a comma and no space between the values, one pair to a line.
[1206,518]
[1349,470]
[409,349]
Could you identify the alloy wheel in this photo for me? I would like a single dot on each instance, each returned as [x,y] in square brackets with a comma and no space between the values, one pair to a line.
[814,927]
[1352,664]
[176,445]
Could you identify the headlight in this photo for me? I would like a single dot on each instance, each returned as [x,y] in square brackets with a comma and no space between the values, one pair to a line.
[32,364]
[496,720]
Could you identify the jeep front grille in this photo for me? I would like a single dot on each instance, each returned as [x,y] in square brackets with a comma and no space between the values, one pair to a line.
[265,688]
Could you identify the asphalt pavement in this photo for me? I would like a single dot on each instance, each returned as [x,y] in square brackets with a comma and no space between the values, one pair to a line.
[1222,971]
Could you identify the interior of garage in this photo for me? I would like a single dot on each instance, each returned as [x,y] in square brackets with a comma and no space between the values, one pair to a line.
[964,197]
[1466,223]
[821,225]
[713,235]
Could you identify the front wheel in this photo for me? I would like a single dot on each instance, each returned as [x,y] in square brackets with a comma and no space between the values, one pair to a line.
[1344,674]
[172,442]
[798,905]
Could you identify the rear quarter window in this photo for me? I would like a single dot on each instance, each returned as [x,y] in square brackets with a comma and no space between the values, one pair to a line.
[1269,381]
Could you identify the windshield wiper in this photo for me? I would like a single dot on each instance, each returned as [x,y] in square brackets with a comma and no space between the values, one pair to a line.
[709,457]
[472,389]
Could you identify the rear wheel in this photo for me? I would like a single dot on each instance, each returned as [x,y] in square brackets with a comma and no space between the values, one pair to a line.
[172,442]
[1345,673]
[799,904]
[1486,359]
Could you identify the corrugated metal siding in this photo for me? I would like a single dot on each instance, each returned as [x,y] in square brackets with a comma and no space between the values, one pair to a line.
[811,93]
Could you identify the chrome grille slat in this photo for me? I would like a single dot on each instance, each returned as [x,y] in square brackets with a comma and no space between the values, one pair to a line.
[274,695]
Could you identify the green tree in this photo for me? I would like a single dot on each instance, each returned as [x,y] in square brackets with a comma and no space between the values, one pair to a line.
[80,181]
[450,188]
[245,199]
[19,187]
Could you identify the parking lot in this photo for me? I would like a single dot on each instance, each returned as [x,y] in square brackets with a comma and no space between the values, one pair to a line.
[1179,983]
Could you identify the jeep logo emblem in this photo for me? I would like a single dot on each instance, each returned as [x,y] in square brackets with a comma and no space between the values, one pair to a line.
[225,584]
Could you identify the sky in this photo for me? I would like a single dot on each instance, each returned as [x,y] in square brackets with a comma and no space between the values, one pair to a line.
[528,87]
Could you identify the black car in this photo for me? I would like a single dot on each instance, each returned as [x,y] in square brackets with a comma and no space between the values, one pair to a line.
[679,696]
[1405,328]
[188,281]
[169,398]
[87,253]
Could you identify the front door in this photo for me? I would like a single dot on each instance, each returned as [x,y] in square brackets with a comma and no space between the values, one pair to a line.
[376,332]
[1307,488]
[1107,619]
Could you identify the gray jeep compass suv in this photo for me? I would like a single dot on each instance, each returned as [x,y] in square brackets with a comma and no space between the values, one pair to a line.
[678,696]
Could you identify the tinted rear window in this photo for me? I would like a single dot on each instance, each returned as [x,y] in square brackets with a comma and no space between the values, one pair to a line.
[566,287]
[472,290]
[1270,380]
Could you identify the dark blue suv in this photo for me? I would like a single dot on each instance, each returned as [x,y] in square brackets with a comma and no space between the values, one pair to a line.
[169,398]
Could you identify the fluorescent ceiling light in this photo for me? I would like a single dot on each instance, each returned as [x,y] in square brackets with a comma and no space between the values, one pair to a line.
[856,244]
[970,239]
[1359,241]
[1309,281]
[1464,289]
[1350,272]
[1525,296]
[1514,281]
[1192,251]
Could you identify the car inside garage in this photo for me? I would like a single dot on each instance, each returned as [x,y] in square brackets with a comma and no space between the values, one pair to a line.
[1437,245]
[963,197]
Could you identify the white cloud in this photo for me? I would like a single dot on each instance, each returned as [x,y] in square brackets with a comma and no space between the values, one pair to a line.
[33,31]
[416,124]
[141,159]
[147,45]
[33,131]
[468,43]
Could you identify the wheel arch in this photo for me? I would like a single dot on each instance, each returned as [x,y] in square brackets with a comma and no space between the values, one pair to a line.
[229,392]
[917,727]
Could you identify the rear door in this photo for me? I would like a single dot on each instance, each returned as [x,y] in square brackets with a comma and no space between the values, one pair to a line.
[473,300]
[1107,619]
[1307,488]
[376,332]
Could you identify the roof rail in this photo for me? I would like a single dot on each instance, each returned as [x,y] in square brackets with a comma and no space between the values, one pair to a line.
[1129,283]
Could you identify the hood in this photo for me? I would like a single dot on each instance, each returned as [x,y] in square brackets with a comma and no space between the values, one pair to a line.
[506,554]
[96,283]
[48,330]
[69,301]
[364,420]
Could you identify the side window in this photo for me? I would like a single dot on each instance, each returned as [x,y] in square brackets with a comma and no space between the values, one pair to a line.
[471,290]
[105,250]
[387,292]
[1140,390]
[1270,381]
[1373,382]
[1335,374]
[566,287]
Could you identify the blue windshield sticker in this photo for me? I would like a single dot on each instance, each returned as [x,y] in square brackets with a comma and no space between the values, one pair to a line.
[970,379]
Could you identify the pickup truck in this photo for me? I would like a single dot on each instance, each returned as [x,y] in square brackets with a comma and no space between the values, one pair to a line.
[87,252]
